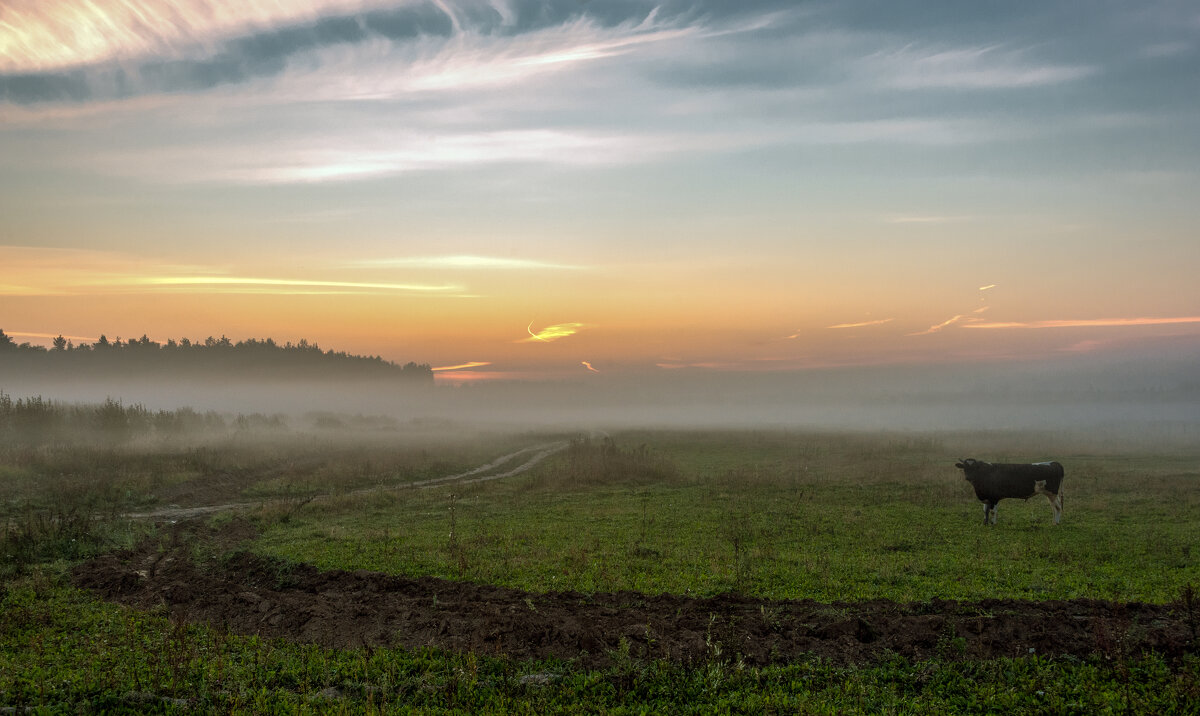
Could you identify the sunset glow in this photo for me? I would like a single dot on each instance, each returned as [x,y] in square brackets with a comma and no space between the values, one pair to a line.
[580,191]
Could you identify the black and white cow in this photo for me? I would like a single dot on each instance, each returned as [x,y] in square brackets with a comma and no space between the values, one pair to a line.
[994,482]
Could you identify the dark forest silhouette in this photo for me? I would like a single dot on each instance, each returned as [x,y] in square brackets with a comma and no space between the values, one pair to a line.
[210,358]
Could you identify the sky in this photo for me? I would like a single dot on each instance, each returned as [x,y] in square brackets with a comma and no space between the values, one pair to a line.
[577,187]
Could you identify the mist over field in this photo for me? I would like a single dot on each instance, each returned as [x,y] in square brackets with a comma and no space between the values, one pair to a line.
[1130,395]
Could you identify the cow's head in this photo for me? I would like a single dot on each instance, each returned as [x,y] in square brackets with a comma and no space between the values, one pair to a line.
[969,465]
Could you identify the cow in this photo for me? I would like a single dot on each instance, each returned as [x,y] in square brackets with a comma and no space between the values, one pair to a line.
[994,482]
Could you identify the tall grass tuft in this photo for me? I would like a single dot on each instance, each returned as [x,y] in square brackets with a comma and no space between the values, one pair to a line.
[38,422]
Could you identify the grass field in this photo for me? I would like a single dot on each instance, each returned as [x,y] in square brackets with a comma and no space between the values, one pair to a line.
[829,517]
[769,513]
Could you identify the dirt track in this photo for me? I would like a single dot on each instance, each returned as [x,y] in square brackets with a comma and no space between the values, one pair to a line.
[483,473]
[252,595]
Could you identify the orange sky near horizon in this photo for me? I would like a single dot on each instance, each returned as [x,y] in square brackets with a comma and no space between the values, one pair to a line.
[536,321]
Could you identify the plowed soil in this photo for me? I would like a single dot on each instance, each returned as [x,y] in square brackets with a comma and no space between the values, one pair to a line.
[249,594]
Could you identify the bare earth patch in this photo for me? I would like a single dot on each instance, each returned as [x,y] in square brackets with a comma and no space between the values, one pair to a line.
[249,594]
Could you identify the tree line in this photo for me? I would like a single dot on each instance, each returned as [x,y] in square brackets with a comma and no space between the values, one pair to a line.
[253,357]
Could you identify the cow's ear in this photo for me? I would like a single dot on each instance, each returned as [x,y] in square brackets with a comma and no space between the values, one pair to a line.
[960,466]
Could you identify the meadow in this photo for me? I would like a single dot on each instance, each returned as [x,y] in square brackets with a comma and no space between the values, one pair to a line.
[840,518]
[778,515]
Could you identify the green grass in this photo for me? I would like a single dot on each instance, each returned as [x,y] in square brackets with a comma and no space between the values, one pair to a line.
[63,651]
[63,499]
[828,518]
[776,514]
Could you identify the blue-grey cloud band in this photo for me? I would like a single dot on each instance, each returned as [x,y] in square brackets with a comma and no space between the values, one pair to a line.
[266,52]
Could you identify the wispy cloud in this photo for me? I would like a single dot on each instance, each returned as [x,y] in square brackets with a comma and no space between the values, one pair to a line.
[482,61]
[551,333]
[461,262]
[988,287]
[980,67]
[25,334]
[28,289]
[238,283]
[707,365]
[938,327]
[1169,49]
[1087,323]
[861,324]
[461,366]
[907,130]
[1085,347]
[343,157]
[53,271]
[925,219]
[369,151]
[58,51]
[677,366]
[588,365]
[43,34]
[479,84]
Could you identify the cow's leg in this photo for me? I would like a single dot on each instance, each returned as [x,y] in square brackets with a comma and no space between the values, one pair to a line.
[987,508]
[1039,488]
[993,513]
[1056,503]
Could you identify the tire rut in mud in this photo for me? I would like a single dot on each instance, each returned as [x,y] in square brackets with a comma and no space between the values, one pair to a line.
[250,594]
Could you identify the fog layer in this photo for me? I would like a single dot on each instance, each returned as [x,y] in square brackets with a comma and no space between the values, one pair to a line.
[1147,395]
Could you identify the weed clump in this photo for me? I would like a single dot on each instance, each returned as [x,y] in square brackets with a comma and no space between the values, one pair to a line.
[74,526]
[603,462]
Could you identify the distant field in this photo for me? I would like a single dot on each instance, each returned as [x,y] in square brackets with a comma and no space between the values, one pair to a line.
[780,515]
